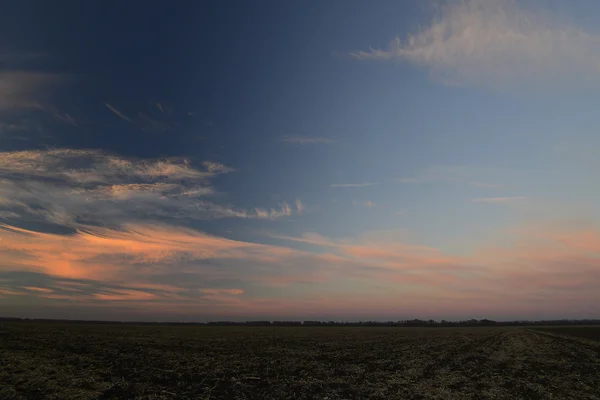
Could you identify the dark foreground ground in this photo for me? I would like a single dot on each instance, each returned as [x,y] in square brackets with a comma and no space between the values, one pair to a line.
[79,361]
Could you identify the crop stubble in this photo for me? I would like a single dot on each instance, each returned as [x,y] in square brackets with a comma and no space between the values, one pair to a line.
[79,361]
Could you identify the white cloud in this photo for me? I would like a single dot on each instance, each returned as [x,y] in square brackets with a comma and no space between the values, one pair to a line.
[497,44]
[93,166]
[284,210]
[66,187]
[216,168]
[299,206]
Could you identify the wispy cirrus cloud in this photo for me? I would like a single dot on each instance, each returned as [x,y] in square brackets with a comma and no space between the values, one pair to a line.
[367,203]
[98,228]
[24,92]
[235,292]
[484,185]
[284,211]
[12,127]
[158,119]
[38,289]
[124,294]
[159,264]
[300,207]
[57,114]
[100,293]
[352,185]
[118,113]
[21,89]
[499,200]
[74,187]
[543,265]
[300,140]
[121,255]
[498,44]
[168,265]
[476,176]
[308,238]
[27,93]
[184,270]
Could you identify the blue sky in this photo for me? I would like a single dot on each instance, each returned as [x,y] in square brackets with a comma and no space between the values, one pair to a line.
[336,159]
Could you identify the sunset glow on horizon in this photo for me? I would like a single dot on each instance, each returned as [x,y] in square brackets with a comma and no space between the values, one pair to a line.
[315,161]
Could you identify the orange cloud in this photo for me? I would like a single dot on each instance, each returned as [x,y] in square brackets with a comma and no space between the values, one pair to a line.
[234,292]
[135,258]
[556,267]
[63,297]
[119,295]
[308,238]
[38,289]
[80,256]
[9,292]
[155,286]
[398,254]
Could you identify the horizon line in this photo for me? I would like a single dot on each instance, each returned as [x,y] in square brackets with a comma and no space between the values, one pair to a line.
[311,322]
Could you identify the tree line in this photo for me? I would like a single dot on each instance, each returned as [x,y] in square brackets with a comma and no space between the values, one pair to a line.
[400,323]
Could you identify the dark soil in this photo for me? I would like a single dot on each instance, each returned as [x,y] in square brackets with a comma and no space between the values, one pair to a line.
[81,361]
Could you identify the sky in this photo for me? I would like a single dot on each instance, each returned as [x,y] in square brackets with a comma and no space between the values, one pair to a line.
[332,160]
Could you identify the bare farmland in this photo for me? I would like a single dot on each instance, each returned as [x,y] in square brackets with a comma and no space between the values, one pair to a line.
[78,361]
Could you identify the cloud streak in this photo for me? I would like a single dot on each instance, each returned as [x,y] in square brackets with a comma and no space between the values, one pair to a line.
[78,187]
[302,140]
[23,89]
[187,271]
[497,44]
[461,174]
[118,113]
[500,200]
[105,254]
[352,185]
[148,123]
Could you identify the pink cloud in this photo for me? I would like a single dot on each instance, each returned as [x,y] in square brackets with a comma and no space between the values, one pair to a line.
[555,266]
[233,292]
[308,238]
[62,297]
[9,292]
[119,295]
[80,256]
[154,286]
[38,289]
[283,281]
